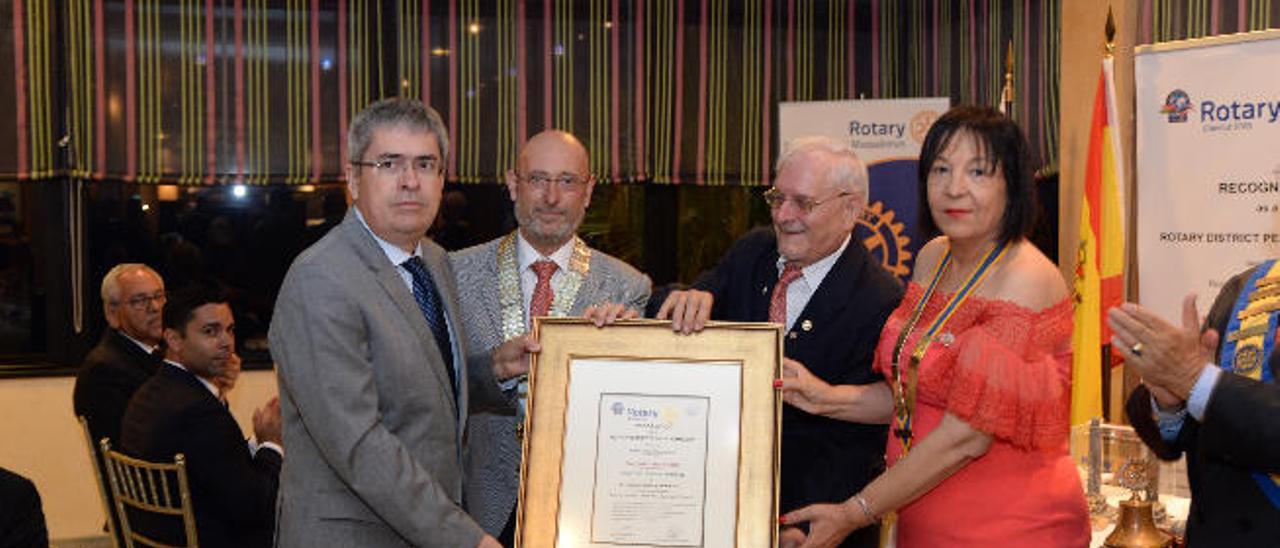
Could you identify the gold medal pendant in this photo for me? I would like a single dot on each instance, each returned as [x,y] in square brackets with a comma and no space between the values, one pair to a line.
[904,380]
[1248,360]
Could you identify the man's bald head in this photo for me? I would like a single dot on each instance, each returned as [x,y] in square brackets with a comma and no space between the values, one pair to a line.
[551,187]
[556,143]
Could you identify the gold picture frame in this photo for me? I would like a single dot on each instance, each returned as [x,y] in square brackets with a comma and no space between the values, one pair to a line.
[641,417]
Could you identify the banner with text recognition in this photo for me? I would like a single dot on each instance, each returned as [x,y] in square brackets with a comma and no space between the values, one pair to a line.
[1208,166]
[886,134]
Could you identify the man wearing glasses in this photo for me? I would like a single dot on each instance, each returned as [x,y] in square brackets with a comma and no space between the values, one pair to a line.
[808,274]
[367,337]
[126,356]
[540,269]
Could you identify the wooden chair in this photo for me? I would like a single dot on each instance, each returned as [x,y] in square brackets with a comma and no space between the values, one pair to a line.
[103,488]
[148,488]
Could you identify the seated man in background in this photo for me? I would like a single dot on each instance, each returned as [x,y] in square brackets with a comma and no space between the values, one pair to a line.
[126,356]
[129,351]
[180,410]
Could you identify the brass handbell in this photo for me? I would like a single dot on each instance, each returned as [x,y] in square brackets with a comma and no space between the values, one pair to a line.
[1136,527]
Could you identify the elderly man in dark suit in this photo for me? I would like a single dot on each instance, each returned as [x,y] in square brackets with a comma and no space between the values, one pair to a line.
[367,337]
[180,410]
[809,274]
[1210,392]
[540,269]
[128,353]
[126,356]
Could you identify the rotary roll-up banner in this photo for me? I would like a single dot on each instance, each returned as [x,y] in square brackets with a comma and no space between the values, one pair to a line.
[886,134]
[1208,165]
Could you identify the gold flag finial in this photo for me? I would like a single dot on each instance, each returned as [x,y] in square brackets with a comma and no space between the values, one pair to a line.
[1008,61]
[1006,94]
[1111,31]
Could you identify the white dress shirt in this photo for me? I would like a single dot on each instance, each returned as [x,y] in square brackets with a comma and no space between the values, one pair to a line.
[526,255]
[398,256]
[144,346]
[802,289]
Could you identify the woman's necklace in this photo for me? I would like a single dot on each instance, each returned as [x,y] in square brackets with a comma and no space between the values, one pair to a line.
[903,380]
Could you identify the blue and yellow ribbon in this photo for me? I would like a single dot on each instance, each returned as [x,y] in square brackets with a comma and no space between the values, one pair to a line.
[904,389]
[1250,339]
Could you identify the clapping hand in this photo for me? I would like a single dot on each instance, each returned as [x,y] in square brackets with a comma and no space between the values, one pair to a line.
[1169,358]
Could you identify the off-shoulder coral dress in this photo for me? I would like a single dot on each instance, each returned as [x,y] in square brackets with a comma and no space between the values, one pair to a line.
[1005,370]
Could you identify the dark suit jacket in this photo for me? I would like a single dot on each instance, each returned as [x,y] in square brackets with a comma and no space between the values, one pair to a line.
[234,492]
[111,373]
[1240,435]
[21,516]
[823,459]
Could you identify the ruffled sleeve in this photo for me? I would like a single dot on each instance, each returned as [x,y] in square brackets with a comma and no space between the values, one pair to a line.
[1009,375]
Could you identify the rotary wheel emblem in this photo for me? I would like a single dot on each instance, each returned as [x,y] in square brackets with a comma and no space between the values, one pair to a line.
[884,238]
[1248,359]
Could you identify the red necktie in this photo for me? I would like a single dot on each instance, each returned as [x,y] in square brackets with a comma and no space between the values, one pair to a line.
[778,303]
[542,294]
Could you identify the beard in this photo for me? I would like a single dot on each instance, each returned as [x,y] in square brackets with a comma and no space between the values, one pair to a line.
[544,233]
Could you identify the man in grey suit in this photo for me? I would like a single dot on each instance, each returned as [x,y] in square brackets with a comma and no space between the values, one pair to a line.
[540,269]
[367,338]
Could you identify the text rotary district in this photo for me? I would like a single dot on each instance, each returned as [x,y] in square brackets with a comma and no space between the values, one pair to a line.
[1220,237]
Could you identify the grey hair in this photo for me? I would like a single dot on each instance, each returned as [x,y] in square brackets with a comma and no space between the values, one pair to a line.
[111,282]
[846,171]
[410,114]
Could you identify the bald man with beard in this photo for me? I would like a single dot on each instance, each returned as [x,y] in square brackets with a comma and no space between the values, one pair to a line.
[540,269]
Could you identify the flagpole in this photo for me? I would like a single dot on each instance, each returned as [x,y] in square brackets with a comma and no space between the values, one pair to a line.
[1106,359]
[1006,93]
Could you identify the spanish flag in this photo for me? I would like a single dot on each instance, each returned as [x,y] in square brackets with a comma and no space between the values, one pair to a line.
[1099,281]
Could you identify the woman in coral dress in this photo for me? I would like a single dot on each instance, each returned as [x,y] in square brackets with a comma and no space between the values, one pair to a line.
[977,365]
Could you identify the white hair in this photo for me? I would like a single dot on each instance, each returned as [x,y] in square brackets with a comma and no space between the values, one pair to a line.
[846,170]
[111,282]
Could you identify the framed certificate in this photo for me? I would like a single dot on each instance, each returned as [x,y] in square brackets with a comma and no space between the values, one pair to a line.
[638,436]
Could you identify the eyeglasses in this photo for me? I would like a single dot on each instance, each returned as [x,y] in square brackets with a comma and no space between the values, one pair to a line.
[141,302]
[775,199]
[395,166]
[565,181]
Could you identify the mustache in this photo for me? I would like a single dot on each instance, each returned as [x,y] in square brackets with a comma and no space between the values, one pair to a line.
[790,226]
[555,210]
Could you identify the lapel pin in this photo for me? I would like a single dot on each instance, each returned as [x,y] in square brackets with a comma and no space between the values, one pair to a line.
[946,338]
[791,335]
[806,325]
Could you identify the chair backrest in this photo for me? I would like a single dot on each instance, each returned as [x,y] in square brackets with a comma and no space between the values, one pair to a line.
[149,487]
[103,488]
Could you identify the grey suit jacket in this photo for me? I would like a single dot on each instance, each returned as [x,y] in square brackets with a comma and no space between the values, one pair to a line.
[493,453]
[373,434]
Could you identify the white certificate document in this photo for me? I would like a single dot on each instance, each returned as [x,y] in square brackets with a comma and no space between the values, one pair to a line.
[650,474]
[651,453]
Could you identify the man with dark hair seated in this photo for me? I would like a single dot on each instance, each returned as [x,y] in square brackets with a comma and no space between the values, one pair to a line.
[180,410]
